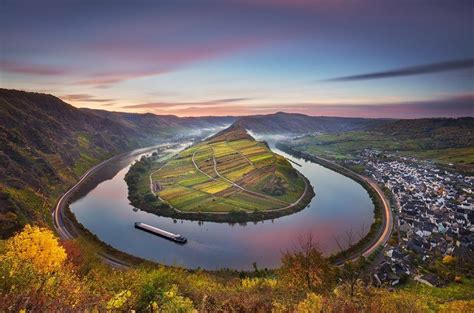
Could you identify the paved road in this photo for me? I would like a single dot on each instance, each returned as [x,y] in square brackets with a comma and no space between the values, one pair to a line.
[63,202]
[388,215]
[387,231]
[65,233]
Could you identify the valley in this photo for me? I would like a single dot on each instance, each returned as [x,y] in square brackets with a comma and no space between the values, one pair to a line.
[239,202]
[229,173]
[216,245]
[237,156]
[47,144]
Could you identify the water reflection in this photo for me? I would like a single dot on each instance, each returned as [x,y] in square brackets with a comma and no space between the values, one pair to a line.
[340,205]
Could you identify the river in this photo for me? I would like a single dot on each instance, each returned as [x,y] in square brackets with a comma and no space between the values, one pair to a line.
[340,207]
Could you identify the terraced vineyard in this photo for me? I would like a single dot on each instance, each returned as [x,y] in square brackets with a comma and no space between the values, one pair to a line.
[227,173]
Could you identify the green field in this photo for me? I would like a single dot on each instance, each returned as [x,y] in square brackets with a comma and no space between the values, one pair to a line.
[346,146]
[226,173]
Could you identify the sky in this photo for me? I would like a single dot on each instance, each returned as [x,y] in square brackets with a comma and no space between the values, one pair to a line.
[398,59]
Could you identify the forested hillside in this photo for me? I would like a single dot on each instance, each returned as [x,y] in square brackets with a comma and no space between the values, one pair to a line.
[448,141]
[297,124]
[46,144]
[432,133]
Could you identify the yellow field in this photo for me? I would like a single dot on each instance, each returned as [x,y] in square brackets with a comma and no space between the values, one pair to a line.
[228,173]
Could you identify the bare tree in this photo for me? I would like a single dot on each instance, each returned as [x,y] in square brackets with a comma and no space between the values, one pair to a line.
[305,269]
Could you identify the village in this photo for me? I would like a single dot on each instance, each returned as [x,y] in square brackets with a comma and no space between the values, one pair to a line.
[434,216]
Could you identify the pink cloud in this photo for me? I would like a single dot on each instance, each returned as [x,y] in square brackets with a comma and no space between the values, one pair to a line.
[120,60]
[105,79]
[155,105]
[450,107]
[141,59]
[31,69]
[84,98]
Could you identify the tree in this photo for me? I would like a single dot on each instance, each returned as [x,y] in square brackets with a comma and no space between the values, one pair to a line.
[351,272]
[149,197]
[36,276]
[312,303]
[306,270]
[36,246]
[448,260]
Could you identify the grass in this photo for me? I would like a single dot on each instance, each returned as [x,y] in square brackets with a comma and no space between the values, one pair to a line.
[441,295]
[346,146]
[459,156]
[90,154]
[238,159]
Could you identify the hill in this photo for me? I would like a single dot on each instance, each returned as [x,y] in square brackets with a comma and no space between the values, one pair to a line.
[166,125]
[46,144]
[298,124]
[443,140]
[432,133]
[229,172]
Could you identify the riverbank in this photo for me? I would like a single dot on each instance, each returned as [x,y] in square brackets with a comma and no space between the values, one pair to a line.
[142,196]
[195,231]
[69,228]
[380,230]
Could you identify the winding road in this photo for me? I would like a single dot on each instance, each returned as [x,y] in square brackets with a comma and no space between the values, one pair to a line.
[58,213]
[388,215]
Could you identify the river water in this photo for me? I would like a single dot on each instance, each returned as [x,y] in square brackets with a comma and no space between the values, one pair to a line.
[340,209]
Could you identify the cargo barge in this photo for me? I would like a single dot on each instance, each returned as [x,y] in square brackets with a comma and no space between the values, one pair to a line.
[160,232]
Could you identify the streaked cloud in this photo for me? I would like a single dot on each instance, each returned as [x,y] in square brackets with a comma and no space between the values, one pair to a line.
[455,106]
[268,52]
[409,71]
[161,105]
[84,98]
[31,69]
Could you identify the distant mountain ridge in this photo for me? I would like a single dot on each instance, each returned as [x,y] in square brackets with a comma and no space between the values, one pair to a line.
[297,124]
[435,132]
[46,144]
[148,123]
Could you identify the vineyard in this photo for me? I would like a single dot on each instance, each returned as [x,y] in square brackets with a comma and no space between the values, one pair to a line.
[226,173]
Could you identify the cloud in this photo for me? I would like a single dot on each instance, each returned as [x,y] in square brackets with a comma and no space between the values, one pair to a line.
[409,71]
[31,69]
[157,105]
[455,106]
[84,98]
[104,80]
[136,58]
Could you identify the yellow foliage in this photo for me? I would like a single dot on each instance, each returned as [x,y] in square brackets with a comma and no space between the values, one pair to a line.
[173,302]
[448,260]
[259,282]
[458,306]
[279,307]
[119,300]
[312,303]
[390,302]
[36,246]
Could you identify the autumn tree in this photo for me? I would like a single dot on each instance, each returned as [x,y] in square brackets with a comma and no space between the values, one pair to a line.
[305,269]
[37,247]
[35,275]
[350,274]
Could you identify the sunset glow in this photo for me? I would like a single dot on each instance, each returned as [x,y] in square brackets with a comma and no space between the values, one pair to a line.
[385,59]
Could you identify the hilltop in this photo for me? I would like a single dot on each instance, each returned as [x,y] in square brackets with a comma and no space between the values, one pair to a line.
[298,124]
[46,144]
[447,141]
[229,172]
